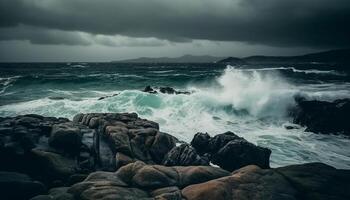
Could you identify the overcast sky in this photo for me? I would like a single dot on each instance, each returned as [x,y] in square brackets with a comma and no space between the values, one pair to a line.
[104,30]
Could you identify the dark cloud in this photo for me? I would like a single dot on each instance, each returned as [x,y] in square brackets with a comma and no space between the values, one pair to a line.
[311,23]
[43,36]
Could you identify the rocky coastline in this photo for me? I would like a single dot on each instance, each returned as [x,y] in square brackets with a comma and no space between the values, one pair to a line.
[121,156]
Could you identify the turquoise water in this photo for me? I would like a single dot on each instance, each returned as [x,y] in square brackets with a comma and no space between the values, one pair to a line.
[251,101]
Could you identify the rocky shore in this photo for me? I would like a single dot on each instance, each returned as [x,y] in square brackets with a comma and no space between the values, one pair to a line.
[121,156]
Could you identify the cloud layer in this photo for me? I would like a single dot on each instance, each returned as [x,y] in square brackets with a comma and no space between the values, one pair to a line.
[283,23]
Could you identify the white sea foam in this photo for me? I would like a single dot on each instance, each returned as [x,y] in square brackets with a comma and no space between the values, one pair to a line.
[6,82]
[305,71]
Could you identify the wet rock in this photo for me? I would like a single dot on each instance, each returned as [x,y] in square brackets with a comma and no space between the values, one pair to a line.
[250,182]
[220,140]
[184,155]
[66,137]
[157,176]
[19,186]
[129,137]
[317,181]
[161,145]
[323,117]
[167,90]
[239,153]
[200,142]
[149,89]
[230,151]
[105,185]
[164,90]
[306,181]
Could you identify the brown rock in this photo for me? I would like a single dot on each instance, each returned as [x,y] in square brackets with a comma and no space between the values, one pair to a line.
[250,182]
[157,176]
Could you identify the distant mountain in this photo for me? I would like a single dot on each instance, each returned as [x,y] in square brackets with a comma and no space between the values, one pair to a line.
[182,59]
[232,60]
[341,56]
[338,57]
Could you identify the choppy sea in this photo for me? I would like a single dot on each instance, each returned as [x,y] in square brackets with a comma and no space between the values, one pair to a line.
[250,100]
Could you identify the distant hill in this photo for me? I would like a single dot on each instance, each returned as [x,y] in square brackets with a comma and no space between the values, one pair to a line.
[341,56]
[232,60]
[338,57]
[182,59]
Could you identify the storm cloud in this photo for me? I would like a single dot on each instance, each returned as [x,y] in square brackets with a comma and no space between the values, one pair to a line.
[280,23]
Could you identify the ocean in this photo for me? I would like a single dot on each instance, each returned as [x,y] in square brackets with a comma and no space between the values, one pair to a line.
[251,100]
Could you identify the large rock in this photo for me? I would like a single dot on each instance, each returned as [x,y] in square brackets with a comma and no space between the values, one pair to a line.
[239,153]
[230,151]
[307,181]
[184,155]
[129,137]
[317,181]
[250,182]
[323,117]
[140,175]
[200,142]
[105,185]
[18,186]
[164,90]
[66,137]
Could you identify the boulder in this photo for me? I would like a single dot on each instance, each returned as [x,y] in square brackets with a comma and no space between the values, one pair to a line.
[317,181]
[184,155]
[323,117]
[149,89]
[306,181]
[65,136]
[105,185]
[220,140]
[239,153]
[200,142]
[250,182]
[167,90]
[19,186]
[162,144]
[230,151]
[140,175]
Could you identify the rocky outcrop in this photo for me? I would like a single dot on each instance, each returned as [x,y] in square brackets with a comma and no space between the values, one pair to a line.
[129,137]
[141,181]
[307,181]
[323,117]
[141,175]
[164,90]
[184,155]
[250,182]
[65,137]
[230,151]
[35,145]
[121,156]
